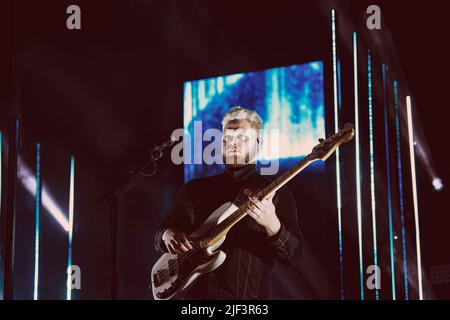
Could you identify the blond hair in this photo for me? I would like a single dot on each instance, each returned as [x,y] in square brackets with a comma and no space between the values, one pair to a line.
[240,113]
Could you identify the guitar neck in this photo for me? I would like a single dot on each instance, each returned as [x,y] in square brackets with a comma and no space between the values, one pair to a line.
[275,185]
[222,228]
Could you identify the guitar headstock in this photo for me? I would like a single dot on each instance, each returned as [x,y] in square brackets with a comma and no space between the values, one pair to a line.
[326,147]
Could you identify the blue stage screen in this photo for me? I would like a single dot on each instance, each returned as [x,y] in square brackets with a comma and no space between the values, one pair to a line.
[290,99]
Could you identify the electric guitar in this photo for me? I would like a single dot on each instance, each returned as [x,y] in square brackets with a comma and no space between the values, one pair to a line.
[173,274]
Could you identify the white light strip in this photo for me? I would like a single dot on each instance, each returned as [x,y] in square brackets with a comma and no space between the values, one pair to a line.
[338,166]
[414,187]
[357,160]
[372,170]
[71,201]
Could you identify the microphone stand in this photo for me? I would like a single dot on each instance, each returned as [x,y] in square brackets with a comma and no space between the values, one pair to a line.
[112,198]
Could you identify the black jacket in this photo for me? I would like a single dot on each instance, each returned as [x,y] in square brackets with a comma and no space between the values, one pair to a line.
[245,274]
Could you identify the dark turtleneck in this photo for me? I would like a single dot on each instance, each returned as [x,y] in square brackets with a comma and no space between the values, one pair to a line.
[250,253]
[241,173]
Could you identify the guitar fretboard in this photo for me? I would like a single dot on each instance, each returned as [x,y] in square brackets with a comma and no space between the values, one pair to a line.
[240,213]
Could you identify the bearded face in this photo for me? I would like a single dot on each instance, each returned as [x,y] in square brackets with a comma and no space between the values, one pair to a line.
[240,143]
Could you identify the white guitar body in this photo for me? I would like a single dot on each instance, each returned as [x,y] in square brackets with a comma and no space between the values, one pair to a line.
[214,259]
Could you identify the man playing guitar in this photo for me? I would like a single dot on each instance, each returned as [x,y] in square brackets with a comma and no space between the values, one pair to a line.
[269,232]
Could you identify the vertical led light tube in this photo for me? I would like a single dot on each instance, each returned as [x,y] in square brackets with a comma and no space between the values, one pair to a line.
[37,222]
[372,172]
[71,206]
[1,165]
[357,160]
[414,188]
[1,179]
[388,177]
[338,166]
[400,188]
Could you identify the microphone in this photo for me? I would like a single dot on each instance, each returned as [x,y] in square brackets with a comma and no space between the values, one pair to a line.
[157,150]
[170,142]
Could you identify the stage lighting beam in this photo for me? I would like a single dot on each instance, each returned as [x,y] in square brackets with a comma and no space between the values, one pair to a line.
[29,182]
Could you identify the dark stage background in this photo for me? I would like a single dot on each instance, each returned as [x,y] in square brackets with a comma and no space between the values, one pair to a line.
[110,91]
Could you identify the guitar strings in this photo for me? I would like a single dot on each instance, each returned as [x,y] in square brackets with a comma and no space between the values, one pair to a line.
[185,255]
[182,257]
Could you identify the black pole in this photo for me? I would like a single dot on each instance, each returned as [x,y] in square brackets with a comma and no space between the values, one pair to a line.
[112,197]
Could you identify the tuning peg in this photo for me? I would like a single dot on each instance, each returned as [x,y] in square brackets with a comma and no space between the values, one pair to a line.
[321,140]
